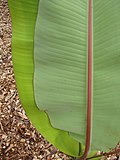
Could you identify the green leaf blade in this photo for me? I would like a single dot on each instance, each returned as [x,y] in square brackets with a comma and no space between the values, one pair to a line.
[106,77]
[24,15]
[60,63]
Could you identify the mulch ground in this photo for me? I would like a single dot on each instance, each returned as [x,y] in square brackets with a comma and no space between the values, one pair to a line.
[19,140]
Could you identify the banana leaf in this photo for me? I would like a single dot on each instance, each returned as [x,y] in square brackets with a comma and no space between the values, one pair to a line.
[50,58]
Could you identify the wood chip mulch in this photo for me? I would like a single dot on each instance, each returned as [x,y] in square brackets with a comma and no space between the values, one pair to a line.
[19,140]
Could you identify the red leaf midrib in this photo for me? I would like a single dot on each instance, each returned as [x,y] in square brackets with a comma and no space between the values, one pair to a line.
[89,95]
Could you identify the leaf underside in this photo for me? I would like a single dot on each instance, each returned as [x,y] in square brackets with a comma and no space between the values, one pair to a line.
[60,57]
[60,63]
[50,41]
